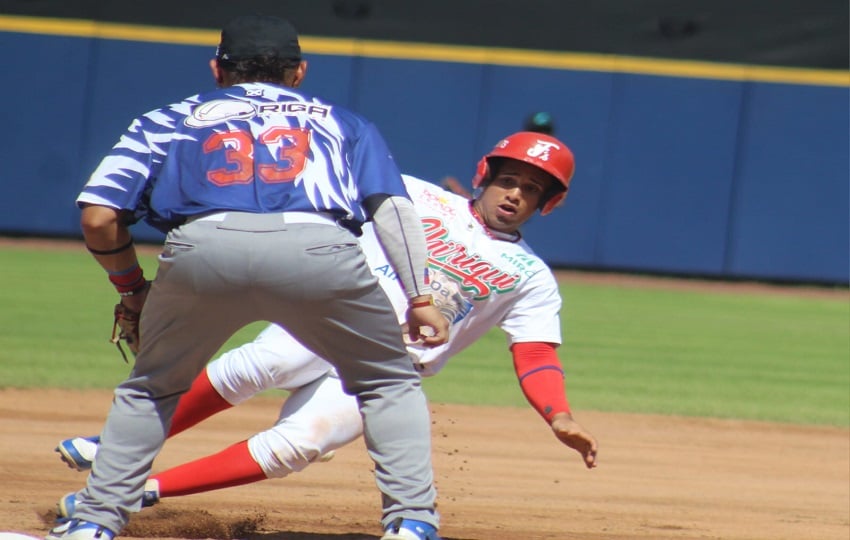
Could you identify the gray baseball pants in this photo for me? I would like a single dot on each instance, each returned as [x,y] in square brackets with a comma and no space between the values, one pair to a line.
[222,272]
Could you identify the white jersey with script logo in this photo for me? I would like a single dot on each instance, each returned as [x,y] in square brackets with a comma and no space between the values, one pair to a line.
[478,282]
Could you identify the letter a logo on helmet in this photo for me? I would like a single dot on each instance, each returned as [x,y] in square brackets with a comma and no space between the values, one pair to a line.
[543,151]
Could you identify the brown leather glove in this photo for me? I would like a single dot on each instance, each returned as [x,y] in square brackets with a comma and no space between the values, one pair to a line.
[126,328]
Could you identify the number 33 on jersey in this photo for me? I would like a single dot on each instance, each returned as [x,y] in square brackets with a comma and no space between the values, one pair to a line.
[260,144]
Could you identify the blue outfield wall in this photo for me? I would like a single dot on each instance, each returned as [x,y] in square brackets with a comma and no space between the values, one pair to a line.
[677,175]
[790,213]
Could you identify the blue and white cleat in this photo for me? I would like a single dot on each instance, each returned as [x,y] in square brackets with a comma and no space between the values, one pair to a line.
[67,504]
[410,529]
[78,453]
[77,529]
[65,507]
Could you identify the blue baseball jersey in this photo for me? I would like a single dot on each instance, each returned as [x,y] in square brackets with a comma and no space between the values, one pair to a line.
[253,147]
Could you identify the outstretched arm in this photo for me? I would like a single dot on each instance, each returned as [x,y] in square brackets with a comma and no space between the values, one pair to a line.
[541,378]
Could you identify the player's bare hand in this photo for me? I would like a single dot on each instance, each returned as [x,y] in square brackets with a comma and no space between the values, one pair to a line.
[426,324]
[572,434]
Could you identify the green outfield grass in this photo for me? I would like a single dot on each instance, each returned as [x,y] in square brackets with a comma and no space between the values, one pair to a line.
[745,356]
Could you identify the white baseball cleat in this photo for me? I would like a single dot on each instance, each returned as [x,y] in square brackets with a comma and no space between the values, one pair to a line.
[78,453]
[410,529]
[77,529]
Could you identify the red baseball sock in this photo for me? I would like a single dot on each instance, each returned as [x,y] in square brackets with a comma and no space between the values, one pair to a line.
[233,466]
[199,403]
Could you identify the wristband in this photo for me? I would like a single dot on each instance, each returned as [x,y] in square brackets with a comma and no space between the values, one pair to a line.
[128,281]
[422,303]
[141,288]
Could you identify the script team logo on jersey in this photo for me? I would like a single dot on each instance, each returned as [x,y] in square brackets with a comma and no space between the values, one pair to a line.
[218,111]
[476,275]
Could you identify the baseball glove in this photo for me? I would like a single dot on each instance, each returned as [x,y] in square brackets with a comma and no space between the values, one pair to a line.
[126,328]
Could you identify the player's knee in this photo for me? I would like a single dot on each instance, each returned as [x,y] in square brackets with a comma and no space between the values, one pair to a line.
[280,453]
[236,375]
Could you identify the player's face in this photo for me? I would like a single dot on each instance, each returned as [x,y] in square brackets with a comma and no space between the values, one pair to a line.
[513,195]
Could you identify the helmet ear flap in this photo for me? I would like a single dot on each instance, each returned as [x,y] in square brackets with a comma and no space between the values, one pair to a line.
[482,172]
[553,202]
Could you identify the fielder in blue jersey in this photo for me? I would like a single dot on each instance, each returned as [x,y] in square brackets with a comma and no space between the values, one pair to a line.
[261,190]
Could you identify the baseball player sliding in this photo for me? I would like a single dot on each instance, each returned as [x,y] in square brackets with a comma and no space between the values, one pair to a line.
[484,275]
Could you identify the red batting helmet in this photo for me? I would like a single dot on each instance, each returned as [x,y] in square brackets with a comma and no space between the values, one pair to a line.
[543,151]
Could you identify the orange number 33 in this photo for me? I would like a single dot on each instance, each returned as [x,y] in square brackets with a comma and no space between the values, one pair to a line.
[289,148]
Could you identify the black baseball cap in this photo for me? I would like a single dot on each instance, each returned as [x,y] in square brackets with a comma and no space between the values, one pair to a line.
[249,36]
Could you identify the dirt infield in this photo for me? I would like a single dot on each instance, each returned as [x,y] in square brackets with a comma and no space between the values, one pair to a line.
[500,474]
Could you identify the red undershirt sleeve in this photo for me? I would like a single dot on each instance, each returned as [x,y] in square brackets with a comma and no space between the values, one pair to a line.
[541,377]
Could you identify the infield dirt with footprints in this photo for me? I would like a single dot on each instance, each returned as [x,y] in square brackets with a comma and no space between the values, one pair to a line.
[500,473]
